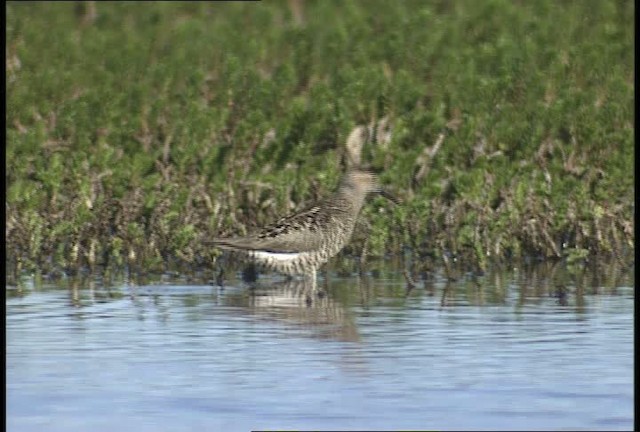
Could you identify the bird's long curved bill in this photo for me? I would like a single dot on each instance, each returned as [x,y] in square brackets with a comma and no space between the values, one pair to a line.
[389,196]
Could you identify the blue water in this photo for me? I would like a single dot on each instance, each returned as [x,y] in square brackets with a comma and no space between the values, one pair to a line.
[501,352]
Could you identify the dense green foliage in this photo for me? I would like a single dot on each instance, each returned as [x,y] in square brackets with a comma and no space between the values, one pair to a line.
[134,132]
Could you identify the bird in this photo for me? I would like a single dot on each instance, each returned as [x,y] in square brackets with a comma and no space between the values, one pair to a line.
[302,242]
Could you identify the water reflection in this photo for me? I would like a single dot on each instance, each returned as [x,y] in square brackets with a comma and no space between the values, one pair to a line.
[539,347]
[548,283]
[544,284]
[297,303]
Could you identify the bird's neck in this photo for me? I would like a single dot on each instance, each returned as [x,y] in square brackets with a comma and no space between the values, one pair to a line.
[351,199]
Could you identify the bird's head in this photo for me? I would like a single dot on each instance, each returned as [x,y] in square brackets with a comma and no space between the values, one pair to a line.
[361,182]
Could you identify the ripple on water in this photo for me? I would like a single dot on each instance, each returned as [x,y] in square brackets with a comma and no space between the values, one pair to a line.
[176,357]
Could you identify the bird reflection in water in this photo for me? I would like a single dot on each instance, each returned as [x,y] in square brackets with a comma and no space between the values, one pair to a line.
[301,306]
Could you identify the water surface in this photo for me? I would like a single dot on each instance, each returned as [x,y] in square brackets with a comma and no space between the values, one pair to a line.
[546,348]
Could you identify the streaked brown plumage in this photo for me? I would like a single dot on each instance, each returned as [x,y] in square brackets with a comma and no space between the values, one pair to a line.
[302,242]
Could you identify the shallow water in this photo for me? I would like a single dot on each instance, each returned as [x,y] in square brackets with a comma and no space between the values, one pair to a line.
[503,351]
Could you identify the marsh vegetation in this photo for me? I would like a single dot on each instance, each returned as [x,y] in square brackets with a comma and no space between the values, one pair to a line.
[134,130]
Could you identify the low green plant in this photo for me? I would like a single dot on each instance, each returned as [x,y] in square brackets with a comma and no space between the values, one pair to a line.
[135,133]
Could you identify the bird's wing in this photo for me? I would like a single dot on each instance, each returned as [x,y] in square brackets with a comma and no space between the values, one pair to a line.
[249,244]
[301,232]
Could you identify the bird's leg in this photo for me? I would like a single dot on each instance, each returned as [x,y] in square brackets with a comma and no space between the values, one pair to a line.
[310,276]
[250,273]
[310,286]
[309,280]
[314,282]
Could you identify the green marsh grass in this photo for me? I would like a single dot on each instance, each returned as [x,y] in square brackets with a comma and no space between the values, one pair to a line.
[136,129]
